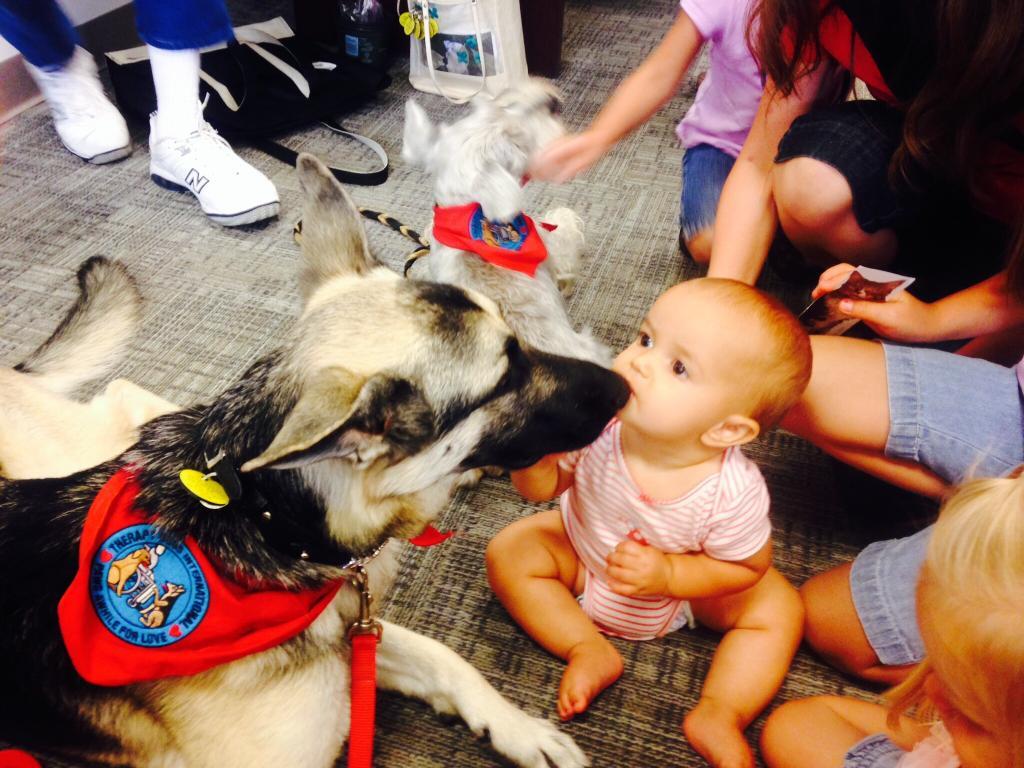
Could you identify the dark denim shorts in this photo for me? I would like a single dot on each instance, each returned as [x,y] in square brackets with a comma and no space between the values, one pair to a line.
[858,139]
[943,240]
[705,169]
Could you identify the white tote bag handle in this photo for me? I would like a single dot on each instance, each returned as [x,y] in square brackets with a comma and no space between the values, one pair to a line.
[428,51]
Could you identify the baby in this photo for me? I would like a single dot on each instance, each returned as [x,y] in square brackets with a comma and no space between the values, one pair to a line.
[663,520]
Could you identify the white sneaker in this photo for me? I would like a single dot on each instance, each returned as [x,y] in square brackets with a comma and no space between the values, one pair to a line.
[229,190]
[87,123]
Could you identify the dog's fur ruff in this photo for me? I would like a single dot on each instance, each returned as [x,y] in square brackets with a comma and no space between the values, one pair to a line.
[383,393]
[482,158]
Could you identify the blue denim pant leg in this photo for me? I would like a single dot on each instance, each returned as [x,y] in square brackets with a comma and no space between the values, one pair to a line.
[883,582]
[877,751]
[704,170]
[959,416]
[40,31]
[177,25]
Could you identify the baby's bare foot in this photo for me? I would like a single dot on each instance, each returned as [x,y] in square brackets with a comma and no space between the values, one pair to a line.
[593,665]
[716,731]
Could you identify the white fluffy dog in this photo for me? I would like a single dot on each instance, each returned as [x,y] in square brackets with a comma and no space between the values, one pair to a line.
[482,159]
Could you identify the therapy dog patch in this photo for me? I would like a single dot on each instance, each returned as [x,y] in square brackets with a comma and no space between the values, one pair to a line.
[143,606]
[512,244]
[146,591]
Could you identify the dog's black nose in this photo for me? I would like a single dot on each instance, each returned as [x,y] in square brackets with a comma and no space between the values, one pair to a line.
[555,105]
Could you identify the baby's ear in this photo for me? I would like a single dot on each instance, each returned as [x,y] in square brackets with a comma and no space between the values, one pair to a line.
[731,431]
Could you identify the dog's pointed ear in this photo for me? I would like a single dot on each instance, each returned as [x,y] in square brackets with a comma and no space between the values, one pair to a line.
[342,415]
[419,136]
[333,239]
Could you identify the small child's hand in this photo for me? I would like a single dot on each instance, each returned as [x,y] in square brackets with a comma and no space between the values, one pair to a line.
[567,156]
[638,569]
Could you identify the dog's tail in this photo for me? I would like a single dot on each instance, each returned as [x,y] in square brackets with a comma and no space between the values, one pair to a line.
[94,335]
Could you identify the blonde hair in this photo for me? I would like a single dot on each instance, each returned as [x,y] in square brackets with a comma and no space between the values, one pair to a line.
[778,352]
[972,589]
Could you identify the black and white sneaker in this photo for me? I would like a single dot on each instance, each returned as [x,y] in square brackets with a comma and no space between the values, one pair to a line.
[229,190]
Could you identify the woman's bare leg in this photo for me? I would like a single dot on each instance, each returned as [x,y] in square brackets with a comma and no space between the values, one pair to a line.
[845,412]
[833,629]
[815,208]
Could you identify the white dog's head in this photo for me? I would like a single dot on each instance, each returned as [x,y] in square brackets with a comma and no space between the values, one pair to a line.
[483,157]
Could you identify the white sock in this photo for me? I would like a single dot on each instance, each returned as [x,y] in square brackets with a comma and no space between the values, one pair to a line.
[176,78]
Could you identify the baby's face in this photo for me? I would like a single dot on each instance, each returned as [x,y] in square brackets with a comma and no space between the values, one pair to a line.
[682,368]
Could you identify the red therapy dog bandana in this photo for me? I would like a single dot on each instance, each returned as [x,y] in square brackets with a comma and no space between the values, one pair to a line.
[143,607]
[513,245]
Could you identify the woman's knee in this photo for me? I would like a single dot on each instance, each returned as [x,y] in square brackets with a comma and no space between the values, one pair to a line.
[698,245]
[832,626]
[811,197]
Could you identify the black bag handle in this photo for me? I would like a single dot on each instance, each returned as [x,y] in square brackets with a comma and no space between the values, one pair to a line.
[289,156]
[362,178]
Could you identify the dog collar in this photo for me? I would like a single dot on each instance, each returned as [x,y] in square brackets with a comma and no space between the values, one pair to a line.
[282,532]
[144,605]
[513,245]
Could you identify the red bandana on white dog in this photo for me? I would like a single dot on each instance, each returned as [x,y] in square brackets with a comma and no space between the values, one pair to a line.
[513,245]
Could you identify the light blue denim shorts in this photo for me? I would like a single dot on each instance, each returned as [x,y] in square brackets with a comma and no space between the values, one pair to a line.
[961,418]
[876,751]
[705,169]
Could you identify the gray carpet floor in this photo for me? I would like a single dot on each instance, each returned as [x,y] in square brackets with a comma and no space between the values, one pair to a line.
[219,298]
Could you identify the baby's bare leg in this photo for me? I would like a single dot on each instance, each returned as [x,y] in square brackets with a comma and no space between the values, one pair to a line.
[535,573]
[762,628]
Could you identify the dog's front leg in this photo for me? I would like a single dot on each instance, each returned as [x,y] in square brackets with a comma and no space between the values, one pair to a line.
[425,669]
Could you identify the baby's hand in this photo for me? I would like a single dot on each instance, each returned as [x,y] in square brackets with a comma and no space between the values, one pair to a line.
[638,569]
[566,157]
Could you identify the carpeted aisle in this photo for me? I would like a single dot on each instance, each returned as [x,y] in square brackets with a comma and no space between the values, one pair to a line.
[219,298]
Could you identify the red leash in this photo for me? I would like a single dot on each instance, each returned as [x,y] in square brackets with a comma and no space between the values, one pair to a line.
[364,700]
[364,634]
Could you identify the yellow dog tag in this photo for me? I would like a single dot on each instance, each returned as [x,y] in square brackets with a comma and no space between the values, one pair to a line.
[210,493]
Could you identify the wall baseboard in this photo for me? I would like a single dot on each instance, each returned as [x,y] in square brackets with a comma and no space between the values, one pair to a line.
[109,32]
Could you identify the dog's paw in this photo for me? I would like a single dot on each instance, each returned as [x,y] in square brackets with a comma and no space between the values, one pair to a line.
[564,244]
[569,226]
[470,478]
[532,742]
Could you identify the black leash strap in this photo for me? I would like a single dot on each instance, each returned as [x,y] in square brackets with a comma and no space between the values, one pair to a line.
[361,178]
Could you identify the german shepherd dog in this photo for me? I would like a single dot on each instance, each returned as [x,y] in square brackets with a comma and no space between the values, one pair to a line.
[356,429]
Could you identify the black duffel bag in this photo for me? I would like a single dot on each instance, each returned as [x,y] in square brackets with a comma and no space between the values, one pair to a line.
[259,87]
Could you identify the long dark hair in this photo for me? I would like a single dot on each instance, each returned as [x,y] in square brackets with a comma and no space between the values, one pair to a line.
[971,95]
